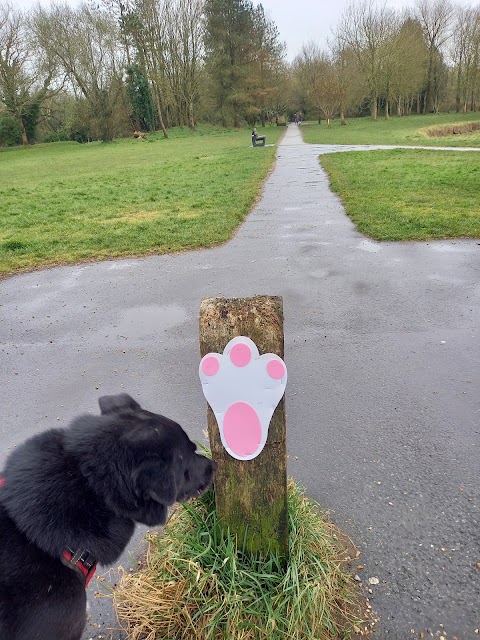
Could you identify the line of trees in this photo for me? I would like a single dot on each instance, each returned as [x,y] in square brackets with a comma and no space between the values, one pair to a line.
[106,67]
[99,69]
[411,61]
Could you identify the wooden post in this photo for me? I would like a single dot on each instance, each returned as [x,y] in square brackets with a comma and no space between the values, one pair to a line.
[251,496]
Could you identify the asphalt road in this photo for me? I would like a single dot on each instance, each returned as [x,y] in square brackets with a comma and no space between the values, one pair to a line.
[382,348]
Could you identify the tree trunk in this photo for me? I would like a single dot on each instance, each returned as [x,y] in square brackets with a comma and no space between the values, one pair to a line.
[23,131]
[342,117]
[251,496]
[458,99]
[158,104]
[191,119]
[374,107]
[428,89]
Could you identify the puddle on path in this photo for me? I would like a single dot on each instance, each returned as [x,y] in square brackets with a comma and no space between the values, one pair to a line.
[323,273]
[116,266]
[368,245]
[144,321]
[446,279]
[444,247]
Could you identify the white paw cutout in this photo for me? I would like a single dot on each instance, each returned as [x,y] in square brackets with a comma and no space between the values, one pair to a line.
[243,389]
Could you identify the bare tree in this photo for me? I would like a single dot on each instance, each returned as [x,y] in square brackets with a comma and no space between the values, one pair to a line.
[320,81]
[305,74]
[465,53]
[280,98]
[412,61]
[405,66]
[327,92]
[86,43]
[183,54]
[435,17]
[26,71]
[366,29]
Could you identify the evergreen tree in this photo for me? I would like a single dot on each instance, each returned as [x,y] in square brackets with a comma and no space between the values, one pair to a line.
[228,43]
[243,56]
[140,97]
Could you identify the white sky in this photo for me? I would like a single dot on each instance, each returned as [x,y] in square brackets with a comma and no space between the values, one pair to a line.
[302,21]
[298,21]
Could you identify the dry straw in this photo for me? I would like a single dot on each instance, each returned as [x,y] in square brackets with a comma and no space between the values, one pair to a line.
[462,128]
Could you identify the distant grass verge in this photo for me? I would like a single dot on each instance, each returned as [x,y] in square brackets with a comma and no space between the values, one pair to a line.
[406,194]
[65,203]
[195,583]
[405,130]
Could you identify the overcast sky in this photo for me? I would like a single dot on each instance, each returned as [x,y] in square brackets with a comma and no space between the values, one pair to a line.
[298,21]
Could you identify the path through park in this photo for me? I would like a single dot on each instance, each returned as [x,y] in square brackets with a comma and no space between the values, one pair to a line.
[382,346]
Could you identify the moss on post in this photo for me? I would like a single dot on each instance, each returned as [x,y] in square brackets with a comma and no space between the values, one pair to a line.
[251,496]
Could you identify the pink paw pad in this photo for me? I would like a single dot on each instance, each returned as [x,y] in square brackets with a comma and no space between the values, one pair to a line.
[242,429]
[243,390]
[210,366]
[240,354]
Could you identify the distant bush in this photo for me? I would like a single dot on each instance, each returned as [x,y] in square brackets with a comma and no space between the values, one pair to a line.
[80,134]
[9,131]
[57,136]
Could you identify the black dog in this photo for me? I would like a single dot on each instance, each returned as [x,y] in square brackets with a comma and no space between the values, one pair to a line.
[69,498]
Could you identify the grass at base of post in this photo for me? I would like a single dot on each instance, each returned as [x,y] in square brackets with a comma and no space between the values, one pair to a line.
[195,583]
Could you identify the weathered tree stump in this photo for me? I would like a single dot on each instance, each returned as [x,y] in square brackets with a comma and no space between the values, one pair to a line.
[251,496]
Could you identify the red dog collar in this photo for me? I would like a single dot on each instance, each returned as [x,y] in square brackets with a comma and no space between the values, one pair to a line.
[81,562]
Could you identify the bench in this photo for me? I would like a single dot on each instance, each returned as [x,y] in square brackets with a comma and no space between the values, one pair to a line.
[257,141]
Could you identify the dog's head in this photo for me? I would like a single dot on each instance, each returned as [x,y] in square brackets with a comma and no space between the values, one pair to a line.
[139,462]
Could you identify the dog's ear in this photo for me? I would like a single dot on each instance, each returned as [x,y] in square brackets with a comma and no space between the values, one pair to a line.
[115,404]
[155,480]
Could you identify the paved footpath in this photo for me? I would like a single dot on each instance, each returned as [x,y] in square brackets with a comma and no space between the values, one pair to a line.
[382,346]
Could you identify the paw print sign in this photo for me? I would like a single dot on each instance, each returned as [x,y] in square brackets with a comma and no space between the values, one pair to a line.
[243,389]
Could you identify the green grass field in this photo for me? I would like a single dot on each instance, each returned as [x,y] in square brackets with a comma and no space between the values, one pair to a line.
[409,194]
[408,130]
[66,203]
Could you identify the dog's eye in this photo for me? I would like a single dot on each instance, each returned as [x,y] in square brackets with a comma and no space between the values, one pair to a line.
[187,475]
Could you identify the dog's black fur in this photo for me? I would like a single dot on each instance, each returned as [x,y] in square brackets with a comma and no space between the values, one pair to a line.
[84,487]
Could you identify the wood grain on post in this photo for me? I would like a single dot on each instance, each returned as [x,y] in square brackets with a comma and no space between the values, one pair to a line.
[251,496]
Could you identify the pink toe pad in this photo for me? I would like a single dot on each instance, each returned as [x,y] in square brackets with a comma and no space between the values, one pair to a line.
[240,354]
[210,366]
[275,369]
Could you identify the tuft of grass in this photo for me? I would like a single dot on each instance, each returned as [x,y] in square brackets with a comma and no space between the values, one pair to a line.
[405,130]
[66,203]
[196,582]
[405,194]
